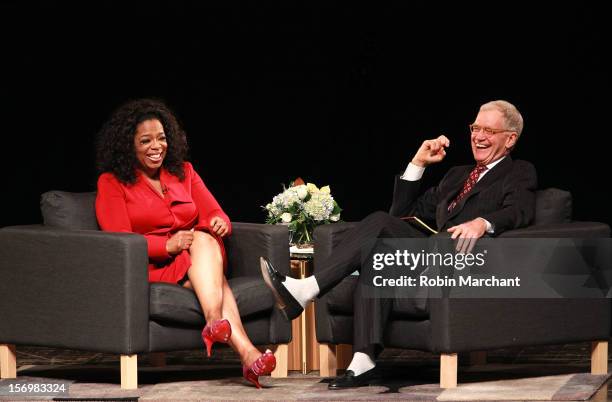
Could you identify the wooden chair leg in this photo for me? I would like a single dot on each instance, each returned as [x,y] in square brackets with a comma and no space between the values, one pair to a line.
[601,395]
[328,362]
[157,359]
[478,358]
[8,362]
[344,355]
[282,361]
[599,357]
[448,370]
[129,371]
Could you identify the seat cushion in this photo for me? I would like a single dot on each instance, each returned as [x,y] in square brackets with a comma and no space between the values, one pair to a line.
[340,301]
[174,304]
[553,206]
[67,210]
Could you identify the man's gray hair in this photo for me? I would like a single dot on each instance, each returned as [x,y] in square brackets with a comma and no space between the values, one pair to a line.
[513,118]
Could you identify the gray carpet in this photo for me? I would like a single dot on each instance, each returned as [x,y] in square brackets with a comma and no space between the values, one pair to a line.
[565,387]
[493,382]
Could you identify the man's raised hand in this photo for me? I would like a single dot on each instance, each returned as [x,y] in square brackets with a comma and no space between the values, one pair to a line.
[431,151]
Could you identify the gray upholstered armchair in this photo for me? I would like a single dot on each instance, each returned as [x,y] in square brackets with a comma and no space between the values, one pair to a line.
[450,326]
[66,284]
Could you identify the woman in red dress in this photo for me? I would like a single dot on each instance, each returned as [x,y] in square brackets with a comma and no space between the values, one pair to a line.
[146,187]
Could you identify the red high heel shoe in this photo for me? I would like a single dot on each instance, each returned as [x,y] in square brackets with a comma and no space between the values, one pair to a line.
[264,364]
[216,331]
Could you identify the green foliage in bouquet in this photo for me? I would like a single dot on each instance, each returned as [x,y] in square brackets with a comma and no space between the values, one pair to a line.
[303,207]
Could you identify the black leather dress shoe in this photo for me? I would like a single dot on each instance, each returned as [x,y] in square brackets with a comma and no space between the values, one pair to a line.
[350,380]
[285,302]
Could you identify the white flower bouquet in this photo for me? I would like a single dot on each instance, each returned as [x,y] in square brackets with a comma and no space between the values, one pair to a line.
[303,207]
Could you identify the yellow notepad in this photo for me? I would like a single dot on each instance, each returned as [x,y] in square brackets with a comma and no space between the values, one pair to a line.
[419,223]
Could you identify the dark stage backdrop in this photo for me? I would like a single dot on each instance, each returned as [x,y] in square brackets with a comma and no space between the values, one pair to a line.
[339,94]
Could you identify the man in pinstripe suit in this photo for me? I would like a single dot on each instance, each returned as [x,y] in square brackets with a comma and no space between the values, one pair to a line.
[492,196]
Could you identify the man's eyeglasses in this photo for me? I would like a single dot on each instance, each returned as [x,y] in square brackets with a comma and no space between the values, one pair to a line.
[475,128]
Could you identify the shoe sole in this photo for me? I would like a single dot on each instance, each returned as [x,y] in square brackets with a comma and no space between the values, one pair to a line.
[263,265]
[280,304]
[349,387]
[369,382]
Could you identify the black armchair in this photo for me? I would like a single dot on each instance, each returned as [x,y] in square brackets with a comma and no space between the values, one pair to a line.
[450,326]
[66,284]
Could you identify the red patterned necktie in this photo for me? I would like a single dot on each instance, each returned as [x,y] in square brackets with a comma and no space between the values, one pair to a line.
[470,182]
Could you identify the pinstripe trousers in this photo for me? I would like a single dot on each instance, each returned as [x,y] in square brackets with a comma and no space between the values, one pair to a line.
[370,315]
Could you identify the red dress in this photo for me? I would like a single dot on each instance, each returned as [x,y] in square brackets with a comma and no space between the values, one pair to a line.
[139,208]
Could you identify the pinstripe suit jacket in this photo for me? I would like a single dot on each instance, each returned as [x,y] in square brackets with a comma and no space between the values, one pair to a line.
[505,196]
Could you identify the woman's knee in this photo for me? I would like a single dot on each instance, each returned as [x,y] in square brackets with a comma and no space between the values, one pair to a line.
[203,241]
[203,237]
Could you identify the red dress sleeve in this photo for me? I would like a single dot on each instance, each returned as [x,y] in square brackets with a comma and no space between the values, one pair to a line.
[207,205]
[111,211]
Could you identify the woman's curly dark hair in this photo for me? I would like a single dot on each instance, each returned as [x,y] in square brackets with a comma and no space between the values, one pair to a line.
[115,143]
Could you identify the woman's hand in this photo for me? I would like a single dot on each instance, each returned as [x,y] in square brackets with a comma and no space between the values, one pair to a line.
[219,226]
[180,241]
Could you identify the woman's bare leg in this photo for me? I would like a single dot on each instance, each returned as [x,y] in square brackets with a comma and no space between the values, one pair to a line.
[206,274]
[206,278]
[239,341]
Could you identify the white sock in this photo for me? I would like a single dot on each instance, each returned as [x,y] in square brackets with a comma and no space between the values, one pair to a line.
[304,290]
[361,363]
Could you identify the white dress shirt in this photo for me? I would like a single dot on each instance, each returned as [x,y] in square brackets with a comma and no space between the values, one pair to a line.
[414,173]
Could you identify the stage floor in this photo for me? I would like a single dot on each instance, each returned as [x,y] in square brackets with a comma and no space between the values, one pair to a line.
[189,375]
